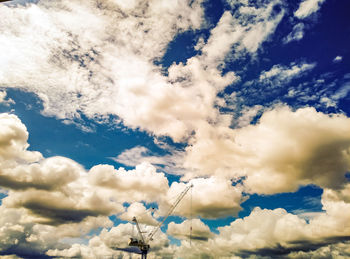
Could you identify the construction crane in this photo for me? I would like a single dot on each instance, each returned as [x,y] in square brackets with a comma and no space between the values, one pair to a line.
[142,243]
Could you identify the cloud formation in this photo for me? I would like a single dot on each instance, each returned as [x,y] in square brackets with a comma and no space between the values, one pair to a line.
[281,75]
[283,150]
[276,232]
[57,190]
[102,60]
[194,229]
[202,200]
[307,7]
[296,34]
[85,46]
[169,163]
[3,99]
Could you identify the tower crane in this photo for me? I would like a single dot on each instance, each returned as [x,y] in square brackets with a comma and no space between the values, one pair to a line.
[143,243]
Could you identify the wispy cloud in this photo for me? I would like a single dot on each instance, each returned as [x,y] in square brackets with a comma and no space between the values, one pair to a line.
[171,163]
[4,100]
[296,34]
[337,59]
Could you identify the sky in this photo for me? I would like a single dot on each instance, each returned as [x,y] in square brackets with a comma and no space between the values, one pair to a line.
[109,109]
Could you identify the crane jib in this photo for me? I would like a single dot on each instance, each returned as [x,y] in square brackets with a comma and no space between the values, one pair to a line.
[142,244]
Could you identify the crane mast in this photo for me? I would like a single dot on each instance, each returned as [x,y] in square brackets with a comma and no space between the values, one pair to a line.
[138,229]
[142,244]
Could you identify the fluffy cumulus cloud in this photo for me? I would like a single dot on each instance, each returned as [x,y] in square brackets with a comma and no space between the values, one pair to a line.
[44,207]
[53,190]
[307,7]
[21,236]
[51,199]
[13,141]
[139,211]
[194,229]
[113,243]
[272,233]
[141,184]
[203,200]
[283,150]
[264,233]
[278,233]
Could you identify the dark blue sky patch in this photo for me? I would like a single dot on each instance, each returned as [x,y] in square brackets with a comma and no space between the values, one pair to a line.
[182,46]
[52,137]
[307,198]
[213,11]
[180,49]
[215,223]
[2,195]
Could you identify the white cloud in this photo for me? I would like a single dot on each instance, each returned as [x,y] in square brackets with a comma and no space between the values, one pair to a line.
[296,34]
[248,114]
[114,243]
[48,188]
[51,199]
[194,229]
[139,211]
[263,233]
[100,59]
[141,184]
[277,230]
[342,91]
[248,28]
[203,199]
[118,237]
[171,163]
[308,7]
[283,150]
[333,99]
[339,250]
[269,232]
[19,235]
[38,217]
[96,54]
[337,59]
[281,75]
[58,190]
[3,99]
[13,142]
[261,229]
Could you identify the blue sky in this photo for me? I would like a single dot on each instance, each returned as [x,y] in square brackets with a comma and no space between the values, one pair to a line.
[110,108]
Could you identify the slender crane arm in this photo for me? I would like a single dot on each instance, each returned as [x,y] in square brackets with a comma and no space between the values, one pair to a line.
[179,198]
[143,244]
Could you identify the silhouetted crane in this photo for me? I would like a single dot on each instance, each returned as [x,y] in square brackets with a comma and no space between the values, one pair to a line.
[142,243]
